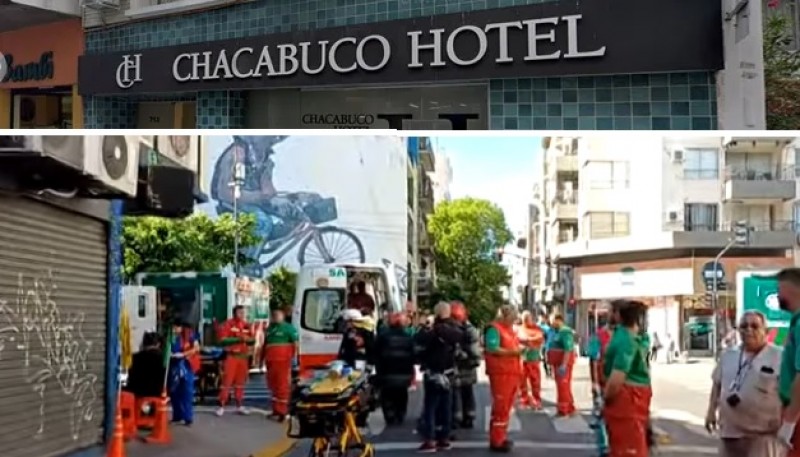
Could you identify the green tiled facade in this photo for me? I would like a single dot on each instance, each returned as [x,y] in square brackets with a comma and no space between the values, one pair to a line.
[678,101]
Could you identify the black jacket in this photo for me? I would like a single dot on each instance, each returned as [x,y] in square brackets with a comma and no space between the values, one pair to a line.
[468,355]
[357,344]
[394,357]
[147,373]
[439,346]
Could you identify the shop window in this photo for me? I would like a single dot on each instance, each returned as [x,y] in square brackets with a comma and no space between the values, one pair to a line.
[42,111]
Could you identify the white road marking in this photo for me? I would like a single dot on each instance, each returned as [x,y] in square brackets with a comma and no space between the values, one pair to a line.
[571,425]
[376,423]
[533,445]
[514,424]
[678,416]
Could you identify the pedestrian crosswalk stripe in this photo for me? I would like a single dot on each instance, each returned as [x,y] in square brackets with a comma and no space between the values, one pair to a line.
[553,446]
[571,425]
[678,416]
[514,424]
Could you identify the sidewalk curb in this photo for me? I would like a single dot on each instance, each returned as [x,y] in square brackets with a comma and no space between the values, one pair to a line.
[277,449]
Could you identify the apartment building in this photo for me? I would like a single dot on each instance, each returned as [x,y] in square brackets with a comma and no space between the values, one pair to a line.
[420,273]
[639,216]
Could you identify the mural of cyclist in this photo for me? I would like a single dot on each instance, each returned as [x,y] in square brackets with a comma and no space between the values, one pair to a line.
[258,193]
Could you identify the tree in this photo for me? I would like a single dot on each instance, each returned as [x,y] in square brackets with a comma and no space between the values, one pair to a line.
[466,234]
[196,243]
[781,73]
[282,283]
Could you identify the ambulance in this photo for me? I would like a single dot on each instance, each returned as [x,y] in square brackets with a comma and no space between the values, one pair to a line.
[322,295]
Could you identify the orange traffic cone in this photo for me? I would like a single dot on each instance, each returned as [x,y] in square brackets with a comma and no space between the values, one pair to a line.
[116,447]
[160,433]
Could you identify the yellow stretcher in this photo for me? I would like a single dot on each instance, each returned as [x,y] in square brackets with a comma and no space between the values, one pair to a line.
[326,411]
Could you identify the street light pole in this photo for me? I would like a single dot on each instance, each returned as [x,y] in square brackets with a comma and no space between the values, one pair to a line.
[741,237]
[238,181]
[720,322]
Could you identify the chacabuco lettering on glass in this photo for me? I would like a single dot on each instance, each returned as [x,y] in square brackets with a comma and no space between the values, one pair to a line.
[339,121]
[40,70]
[289,59]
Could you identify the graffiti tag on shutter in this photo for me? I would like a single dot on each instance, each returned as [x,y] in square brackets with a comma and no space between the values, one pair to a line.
[52,348]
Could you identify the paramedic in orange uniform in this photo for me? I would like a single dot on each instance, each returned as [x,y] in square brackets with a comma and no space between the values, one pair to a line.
[279,352]
[561,356]
[237,338]
[532,337]
[504,368]
[627,392]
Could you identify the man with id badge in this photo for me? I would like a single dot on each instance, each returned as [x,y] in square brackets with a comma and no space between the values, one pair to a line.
[744,406]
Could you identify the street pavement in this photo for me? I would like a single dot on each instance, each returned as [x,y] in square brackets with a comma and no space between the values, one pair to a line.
[232,435]
[677,406]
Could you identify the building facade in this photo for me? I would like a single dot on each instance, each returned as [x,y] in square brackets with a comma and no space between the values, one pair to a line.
[421,272]
[643,220]
[59,298]
[40,42]
[415,65]
[442,177]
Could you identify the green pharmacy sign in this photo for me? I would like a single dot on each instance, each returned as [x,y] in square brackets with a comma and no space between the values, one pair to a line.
[758,291]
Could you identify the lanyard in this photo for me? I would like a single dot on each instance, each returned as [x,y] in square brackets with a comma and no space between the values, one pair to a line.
[745,365]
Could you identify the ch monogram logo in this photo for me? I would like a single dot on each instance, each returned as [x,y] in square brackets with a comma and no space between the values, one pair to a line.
[129,71]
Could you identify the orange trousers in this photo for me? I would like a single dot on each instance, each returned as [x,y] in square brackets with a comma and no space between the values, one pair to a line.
[565,403]
[279,376]
[504,391]
[626,417]
[235,371]
[530,391]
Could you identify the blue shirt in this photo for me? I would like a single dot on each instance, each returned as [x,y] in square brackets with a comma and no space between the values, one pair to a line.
[549,334]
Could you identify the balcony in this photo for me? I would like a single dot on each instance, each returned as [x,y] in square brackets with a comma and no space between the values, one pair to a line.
[19,14]
[765,235]
[567,236]
[566,163]
[756,185]
[564,206]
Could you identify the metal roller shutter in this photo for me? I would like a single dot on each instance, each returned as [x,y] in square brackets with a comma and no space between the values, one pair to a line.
[52,329]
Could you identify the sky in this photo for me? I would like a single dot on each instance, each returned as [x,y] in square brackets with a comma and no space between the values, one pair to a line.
[499,169]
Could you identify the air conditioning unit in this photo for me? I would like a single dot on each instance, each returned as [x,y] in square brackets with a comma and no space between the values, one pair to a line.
[94,165]
[674,216]
[676,156]
[113,160]
[184,150]
[100,4]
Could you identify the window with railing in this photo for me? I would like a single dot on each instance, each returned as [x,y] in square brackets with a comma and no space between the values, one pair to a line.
[750,167]
[567,235]
[700,217]
[608,225]
[796,218]
[797,162]
[607,175]
[700,164]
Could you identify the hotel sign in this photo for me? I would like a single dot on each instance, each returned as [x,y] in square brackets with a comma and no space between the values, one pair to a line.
[548,39]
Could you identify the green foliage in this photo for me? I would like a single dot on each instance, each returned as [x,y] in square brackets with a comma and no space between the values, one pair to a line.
[781,74]
[466,233]
[195,243]
[282,284]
